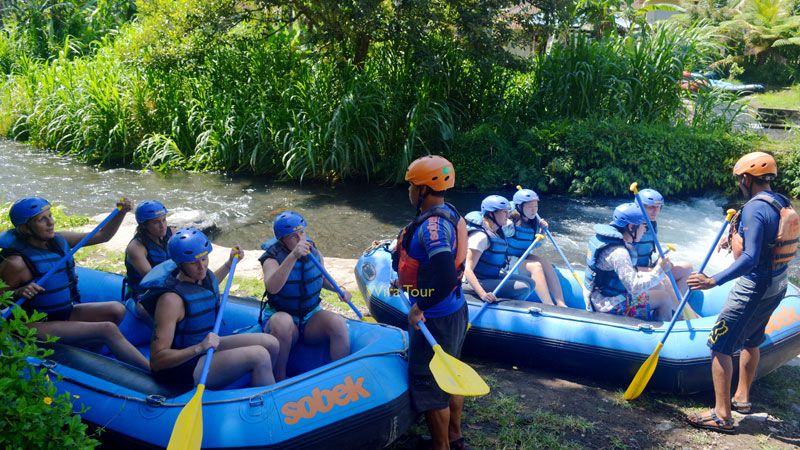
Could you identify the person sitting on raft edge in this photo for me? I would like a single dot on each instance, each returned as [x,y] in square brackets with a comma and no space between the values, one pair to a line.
[527,225]
[147,249]
[487,253]
[30,250]
[613,285]
[293,285]
[183,298]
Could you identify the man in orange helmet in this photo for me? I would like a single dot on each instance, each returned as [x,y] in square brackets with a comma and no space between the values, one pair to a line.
[429,259]
[764,239]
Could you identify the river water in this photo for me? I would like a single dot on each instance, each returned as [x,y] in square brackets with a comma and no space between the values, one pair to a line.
[343,220]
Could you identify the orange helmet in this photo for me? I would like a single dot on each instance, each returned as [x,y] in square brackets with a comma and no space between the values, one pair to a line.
[757,164]
[433,171]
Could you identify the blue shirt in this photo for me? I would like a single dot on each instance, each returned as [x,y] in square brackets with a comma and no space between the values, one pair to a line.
[759,228]
[434,236]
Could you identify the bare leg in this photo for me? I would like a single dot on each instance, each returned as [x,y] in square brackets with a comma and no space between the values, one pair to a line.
[438,421]
[553,285]
[537,273]
[721,373]
[229,365]
[268,341]
[282,327]
[748,363]
[327,325]
[660,304]
[454,430]
[98,312]
[681,271]
[83,333]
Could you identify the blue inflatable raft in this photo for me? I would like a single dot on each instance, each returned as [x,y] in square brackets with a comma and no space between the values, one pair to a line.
[588,343]
[361,401]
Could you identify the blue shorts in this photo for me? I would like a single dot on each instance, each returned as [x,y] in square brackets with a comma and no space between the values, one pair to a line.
[269,312]
[746,312]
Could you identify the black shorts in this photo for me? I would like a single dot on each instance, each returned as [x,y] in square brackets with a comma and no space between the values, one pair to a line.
[182,375]
[449,331]
[746,312]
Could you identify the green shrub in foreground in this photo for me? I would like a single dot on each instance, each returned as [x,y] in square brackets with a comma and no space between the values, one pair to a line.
[34,416]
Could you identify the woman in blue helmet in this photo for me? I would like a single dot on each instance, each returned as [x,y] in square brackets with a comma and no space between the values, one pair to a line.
[30,249]
[147,249]
[646,249]
[487,252]
[613,285]
[293,284]
[526,226]
[183,297]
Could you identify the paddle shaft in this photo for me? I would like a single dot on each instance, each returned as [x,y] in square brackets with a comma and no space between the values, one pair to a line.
[702,267]
[503,281]
[431,340]
[64,258]
[332,282]
[563,256]
[218,321]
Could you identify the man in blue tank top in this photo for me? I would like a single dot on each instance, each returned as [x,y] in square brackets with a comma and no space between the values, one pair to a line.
[429,259]
[762,286]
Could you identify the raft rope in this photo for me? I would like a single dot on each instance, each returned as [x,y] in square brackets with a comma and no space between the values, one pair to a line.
[160,401]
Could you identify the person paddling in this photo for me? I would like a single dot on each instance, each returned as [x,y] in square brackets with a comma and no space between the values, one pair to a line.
[183,297]
[763,239]
[429,258]
[612,283]
[527,225]
[293,285]
[488,251]
[30,249]
[147,249]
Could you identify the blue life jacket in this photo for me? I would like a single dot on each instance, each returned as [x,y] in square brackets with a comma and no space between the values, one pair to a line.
[200,301]
[524,235]
[646,247]
[493,258]
[300,294]
[61,289]
[156,254]
[605,281]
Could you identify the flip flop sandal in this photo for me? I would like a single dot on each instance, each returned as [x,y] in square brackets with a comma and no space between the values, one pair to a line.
[719,425]
[741,407]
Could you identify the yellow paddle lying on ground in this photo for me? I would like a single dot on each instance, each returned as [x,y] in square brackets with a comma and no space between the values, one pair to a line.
[452,375]
[338,289]
[539,237]
[646,371]
[188,431]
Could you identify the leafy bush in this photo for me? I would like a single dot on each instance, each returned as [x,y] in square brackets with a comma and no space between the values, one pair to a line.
[34,416]
[789,168]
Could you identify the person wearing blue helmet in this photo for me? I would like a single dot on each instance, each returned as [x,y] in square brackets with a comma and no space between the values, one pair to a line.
[183,298]
[526,226]
[487,253]
[646,248]
[612,283]
[147,249]
[293,285]
[30,250]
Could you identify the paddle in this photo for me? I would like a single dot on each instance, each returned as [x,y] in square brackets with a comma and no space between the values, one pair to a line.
[452,375]
[64,258]
[503,281]
[338,289]
[569,266]
[187,434]
[646,371]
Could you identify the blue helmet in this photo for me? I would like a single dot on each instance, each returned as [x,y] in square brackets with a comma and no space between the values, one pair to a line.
[524,196]
[287,223]
[494,203]
[474,218]
[188,244]
[627,214]
[22,210]
[149,209]
[651,197]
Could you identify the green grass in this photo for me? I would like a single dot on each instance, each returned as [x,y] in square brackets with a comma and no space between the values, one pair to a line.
[788,98]
[102,259]
[62,220]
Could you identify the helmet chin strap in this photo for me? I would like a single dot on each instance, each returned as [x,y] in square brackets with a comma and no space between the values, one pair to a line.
[499,228]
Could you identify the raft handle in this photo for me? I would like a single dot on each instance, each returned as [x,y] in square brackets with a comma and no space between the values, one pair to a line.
[49,364]
[646,327]
[156,400]
[535,310]
[256,400]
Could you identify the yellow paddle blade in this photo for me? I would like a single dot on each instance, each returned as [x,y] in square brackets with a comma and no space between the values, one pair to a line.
[188,431]
[688,313]
[455,377]
[643,375]
[369,319]
[578,279]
